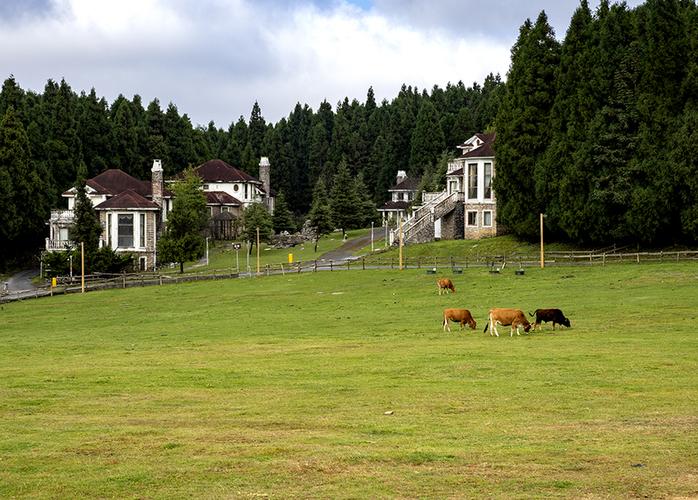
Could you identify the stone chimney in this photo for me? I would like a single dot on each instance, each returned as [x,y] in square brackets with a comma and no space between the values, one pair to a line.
[265,177]
[401,176]
[157,181]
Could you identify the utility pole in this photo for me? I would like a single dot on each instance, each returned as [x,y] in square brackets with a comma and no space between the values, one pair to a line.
[400,243]
[258,251]
[82,263]
[542,251]
[371,236]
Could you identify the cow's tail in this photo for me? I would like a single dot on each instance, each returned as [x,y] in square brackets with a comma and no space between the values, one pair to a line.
[486,326]
[532,314]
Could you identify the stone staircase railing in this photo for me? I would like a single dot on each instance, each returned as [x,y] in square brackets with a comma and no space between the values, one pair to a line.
[414,229]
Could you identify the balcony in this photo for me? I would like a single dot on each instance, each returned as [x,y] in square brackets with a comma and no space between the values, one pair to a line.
[58,245]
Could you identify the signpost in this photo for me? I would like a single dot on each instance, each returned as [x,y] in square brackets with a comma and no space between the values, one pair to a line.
[236,247]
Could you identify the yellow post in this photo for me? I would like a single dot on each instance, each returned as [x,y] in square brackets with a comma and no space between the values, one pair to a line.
[258,251]
[53,285]
[400,246]
[542,251]
[82,265]
[290,258]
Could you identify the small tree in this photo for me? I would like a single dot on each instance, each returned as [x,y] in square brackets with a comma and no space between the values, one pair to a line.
[86,227]
[282,217]
[183,239]
[256,216]
[320,215]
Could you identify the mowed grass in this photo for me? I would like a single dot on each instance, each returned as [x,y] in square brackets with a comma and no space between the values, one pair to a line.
[279,387]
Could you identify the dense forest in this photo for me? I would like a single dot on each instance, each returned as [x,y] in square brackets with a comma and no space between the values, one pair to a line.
[598,131]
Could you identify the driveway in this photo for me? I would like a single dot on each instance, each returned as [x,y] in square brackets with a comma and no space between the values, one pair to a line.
[22,281]
[346,251]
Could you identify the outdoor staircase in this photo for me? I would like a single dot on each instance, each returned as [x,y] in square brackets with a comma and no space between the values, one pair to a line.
[419,228]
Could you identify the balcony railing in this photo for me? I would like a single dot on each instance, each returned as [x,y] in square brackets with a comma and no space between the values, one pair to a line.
[58,245]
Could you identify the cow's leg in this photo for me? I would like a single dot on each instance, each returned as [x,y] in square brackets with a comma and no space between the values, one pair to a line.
[495,329]
[446,324]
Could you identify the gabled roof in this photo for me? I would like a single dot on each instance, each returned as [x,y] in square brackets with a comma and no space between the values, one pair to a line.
[457,173]
[128,199]
[220,171]
[486,149]
[408,184]
[221,198]
[395,205]
[114,181]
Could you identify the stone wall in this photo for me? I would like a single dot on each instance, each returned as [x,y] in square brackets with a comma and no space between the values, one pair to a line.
[479,230]
[452,224]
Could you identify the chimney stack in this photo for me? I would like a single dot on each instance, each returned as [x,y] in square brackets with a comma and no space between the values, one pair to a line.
[157,182]
[401,176]
[265,177]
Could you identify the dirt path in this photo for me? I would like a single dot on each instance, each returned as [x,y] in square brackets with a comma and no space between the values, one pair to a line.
[22,281]
[346,251]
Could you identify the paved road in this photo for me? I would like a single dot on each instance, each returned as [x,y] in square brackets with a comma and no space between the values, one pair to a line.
[22,281]
[347,250]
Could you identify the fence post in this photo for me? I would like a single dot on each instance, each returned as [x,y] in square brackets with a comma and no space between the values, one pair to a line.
[348,262]
[466,262]
[160,276]
[451,257]
[419,263]
[299,266]
[363,263]
[331,269]
[604,259]
[315,268]
[123,281]
[638,257]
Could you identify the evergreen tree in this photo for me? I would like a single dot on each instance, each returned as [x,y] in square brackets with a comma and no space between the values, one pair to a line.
[427,140]
[344,200]
[320,215]
[256,217]
[523,125]
[86,228]
[282,217]
[183,239]
[367,211]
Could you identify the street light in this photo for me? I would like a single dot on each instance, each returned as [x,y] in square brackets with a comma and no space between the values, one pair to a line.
[371,236]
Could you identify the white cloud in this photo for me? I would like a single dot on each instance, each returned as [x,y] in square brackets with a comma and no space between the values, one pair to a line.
[214,58]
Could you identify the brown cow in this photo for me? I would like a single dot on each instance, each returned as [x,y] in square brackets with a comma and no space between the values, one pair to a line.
[445,284]
[506,317]
[461,316]
[545,315]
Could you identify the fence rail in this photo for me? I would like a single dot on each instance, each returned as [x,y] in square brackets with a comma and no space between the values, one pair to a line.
[73,284]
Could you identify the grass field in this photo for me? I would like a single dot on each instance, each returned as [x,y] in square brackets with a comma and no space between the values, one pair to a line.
[279,387]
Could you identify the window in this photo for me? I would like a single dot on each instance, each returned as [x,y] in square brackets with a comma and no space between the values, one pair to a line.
[225,209]
[236,187]
[204,187]
[472,180]
[125,231]
[488,181]
[142,263]
[246,196]
[142,228]
[210,209]
[471,219]
[487,218]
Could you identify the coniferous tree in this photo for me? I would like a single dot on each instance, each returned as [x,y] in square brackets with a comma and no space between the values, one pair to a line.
[86,227]
[523,125]
[282,218]
[320,215]
[344,200]
[427,140]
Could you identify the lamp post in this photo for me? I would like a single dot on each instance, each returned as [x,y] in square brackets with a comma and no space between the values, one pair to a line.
[207,250]
[371,236]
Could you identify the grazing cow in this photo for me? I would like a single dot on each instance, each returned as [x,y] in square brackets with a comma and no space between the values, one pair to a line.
[506,317]
[461,316]
[546,315]
[444,285]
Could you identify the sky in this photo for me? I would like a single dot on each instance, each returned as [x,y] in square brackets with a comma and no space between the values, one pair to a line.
[214,58]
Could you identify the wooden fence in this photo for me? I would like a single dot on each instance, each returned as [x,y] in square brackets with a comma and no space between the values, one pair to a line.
[454,264]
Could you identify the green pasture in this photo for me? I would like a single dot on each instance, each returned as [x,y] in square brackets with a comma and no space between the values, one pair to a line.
[343,385]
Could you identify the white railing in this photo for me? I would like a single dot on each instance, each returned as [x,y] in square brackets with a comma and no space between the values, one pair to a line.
[53,245]
[66,216]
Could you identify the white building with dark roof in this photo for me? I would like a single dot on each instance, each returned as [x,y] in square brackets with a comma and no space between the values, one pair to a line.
[402,197]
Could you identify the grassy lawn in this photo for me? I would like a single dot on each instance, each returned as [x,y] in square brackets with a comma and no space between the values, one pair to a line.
[500,245]
[279,387]
[222,255]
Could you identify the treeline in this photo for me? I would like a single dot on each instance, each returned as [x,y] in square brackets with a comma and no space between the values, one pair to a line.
[47,138]
[600,132]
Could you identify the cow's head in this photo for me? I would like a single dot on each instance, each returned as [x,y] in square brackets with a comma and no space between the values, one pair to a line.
[472,324]
[567,323]
[527,327]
